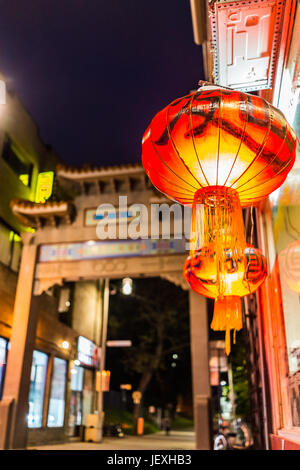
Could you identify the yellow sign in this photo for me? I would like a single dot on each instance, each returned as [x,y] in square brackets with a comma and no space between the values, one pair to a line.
[136,396]
[125,387]
[102,381]
[44,186]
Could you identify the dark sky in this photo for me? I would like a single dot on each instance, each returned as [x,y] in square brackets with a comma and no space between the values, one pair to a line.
[94,72]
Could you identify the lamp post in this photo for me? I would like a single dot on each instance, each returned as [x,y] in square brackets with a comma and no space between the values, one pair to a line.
[103,352]
[2,92]
[127,284]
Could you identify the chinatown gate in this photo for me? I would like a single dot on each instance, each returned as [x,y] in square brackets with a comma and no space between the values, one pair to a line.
[65,248]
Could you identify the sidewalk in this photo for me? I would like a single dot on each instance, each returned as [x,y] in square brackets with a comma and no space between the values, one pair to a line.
[177,440]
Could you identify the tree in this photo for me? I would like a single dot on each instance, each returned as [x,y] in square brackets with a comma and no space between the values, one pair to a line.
[156,319]
[240,377]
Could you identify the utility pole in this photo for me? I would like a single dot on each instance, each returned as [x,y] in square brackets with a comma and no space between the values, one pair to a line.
[14,403]
[200,371]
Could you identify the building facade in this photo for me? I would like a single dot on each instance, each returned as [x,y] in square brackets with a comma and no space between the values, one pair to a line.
[66,262]
[27,167]
[254,46]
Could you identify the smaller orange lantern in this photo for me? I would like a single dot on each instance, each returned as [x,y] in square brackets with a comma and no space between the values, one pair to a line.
[241,277]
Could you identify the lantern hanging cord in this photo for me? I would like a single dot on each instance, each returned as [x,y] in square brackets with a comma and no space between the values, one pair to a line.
[252,225]
[251,243]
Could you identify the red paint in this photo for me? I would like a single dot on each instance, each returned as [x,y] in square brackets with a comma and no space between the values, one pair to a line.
[281,443]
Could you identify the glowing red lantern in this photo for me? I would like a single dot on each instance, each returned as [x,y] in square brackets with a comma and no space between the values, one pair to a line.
[218,149]
[240,278]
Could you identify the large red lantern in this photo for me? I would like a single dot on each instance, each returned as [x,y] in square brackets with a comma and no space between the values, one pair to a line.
[218,149]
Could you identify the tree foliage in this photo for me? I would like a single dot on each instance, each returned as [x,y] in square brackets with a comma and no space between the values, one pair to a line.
[240,377]
[156,319]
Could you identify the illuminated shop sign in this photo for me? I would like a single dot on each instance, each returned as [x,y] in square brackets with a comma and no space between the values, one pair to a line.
[44,186]
[111,249]
[88,352]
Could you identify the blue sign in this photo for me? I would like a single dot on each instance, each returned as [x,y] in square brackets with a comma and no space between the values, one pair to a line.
[109,249]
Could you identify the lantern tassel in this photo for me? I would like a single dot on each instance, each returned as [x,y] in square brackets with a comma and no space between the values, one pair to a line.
[227,317]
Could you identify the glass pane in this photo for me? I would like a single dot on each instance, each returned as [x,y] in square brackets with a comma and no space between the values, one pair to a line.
[87,394]
[37,387]
[16,252]
[17,162]
[56,412]
[286,229]
[75,415]
[77,378]
[3,352]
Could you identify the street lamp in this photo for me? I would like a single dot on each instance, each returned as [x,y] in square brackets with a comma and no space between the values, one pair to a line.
[127,286]
[105,306]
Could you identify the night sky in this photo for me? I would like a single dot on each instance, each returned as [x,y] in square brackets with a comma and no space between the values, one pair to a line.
[93,73]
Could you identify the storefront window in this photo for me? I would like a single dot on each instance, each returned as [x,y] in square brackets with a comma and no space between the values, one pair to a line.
[77,379]
[3,357]
[286,228]
[286,232]
[37,387]
[56,412]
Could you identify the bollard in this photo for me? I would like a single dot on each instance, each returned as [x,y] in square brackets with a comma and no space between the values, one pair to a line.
[140,426]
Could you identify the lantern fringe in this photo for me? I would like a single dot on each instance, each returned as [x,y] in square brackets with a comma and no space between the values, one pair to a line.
[218,226]
[227,316]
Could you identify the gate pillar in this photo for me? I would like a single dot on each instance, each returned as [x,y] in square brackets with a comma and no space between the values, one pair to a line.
[200,371]
[14,404]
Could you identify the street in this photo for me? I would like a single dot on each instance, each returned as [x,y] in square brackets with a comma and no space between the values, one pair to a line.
[177,440]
